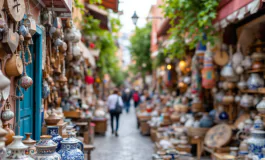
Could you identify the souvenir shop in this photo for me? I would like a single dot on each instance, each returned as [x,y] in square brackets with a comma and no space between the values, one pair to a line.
[217,110]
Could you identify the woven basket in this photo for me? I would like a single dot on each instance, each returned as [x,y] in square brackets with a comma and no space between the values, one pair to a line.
[200,132]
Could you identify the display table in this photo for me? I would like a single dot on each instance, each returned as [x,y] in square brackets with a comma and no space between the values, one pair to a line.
[144,126]
[87,150]
[199,142]
[100,125]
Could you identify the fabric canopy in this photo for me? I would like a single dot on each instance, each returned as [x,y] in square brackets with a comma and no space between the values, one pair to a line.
[87,54]
[233,10]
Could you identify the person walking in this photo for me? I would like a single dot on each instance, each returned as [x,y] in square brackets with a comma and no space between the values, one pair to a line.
[115,106]
[136,98]
[126,97]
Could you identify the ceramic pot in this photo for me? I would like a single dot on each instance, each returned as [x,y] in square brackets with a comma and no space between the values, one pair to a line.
[255,81]
[17,150]
[237,98]
[14,66]
[256,142]
[25,81]
[2,148]
[7,114]
[46,149]
[219,96]
[31,151]
[261,106]
[258,123]
[228,99]
[228,71]
[69,34]
[206,121]
[239,70]
[54,132]
[9,135]
[78,36]
[76,51]
[242,84]
[69,150]
[52,119]
[246,100]
[257,56]
[243,147]
[4,81]
[246,63]
[237,58]
[257,65]
[72,134]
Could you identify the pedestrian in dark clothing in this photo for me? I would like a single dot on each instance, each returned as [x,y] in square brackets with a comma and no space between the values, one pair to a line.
[126,97]
[112,101]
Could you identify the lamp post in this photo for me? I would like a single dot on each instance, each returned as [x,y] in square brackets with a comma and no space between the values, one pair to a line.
[135,18]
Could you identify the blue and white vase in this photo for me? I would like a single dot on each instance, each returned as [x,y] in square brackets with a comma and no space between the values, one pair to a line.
[255,81]
[256,142]
[72,134]
[54,132]
[206,121]
[46,149]
[69,150]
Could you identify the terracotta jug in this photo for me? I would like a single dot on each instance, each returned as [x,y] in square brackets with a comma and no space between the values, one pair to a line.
[9,135]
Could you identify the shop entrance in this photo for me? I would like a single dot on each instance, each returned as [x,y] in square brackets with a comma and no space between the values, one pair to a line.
[29,108]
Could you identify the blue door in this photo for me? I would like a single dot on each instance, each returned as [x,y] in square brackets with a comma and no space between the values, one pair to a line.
[28,119]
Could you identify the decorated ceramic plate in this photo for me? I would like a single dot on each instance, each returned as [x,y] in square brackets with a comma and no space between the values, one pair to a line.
[218,136]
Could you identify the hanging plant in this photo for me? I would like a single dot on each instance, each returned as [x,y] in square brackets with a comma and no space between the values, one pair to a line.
[190,20]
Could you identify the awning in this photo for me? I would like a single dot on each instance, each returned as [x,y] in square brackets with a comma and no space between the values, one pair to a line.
[111,4]
[99,14]
[60,6]
[163,28]
[87,55]
[230,11]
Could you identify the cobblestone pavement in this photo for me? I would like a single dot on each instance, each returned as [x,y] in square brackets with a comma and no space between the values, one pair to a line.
[130,145]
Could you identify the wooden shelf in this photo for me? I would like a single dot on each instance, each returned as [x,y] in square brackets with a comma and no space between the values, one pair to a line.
[259,91]
[250,91]
[262,44]
[256,70]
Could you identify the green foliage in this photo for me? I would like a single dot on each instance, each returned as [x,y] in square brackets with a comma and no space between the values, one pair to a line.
[190,19]
[159,59]
[140,50]
[105,41]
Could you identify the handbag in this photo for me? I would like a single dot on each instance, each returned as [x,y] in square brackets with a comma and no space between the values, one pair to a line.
[118,107]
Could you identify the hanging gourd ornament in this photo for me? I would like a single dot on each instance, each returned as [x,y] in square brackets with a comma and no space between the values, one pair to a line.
[15,9]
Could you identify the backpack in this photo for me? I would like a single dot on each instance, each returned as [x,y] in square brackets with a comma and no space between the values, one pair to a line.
[118,107]
[136,97]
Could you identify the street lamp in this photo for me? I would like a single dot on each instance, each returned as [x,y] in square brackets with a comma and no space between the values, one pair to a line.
[135,18]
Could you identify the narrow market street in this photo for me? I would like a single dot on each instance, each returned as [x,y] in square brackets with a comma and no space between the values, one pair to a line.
[130,145]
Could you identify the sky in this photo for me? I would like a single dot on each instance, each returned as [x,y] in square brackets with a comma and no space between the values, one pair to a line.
[142,8]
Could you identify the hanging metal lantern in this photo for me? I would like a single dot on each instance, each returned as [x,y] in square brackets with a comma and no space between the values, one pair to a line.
[31,24]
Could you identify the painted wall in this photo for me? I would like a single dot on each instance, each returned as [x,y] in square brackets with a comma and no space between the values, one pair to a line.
[36,14]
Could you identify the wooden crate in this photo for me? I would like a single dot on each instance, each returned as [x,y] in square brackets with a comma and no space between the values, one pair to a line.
[145,128]
[100,125]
